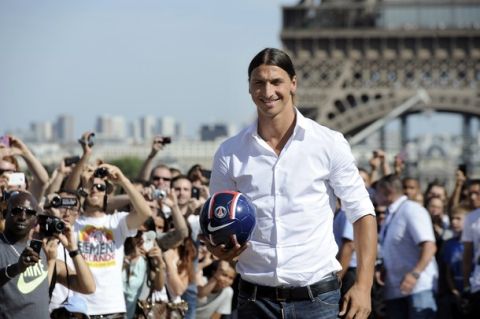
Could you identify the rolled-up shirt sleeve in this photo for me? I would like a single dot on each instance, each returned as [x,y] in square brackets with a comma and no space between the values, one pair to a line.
[220,179]
[347,183]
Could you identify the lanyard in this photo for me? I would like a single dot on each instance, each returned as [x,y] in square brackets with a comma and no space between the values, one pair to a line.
[390,220]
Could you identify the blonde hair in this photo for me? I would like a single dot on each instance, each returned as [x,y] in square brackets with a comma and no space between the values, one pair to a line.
[461,209]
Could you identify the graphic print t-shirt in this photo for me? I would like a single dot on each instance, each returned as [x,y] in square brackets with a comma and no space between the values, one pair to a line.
[100,240]
[26,295]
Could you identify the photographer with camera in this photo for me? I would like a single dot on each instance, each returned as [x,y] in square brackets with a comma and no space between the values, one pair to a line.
[62,210]
[25,276]
[160,175]
[101,237]
[23,271]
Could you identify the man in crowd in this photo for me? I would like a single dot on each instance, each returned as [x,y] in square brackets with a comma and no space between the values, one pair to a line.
[27,296]
[160,176]
[471,248]
[23,272]
[66,206]
[101,237]
[408,249]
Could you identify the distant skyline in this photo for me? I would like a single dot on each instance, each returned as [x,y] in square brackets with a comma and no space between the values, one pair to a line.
[184,59]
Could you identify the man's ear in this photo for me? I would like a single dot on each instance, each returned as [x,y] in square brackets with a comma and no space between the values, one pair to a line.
[293,89]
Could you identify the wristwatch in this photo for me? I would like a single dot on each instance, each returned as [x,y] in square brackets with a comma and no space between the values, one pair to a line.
[73,253]
[415,274]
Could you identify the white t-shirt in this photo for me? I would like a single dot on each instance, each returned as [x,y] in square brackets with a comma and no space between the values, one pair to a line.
[471,233]
[294,193]
[219,302]
[100,240]
[194,222]
[61,292]
[406,226]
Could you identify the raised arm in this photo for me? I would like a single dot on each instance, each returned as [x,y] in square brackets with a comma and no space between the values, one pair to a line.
[157,145]
[40,175]
[454,200]
[141,211]
[73,181]
[80,278]
[57,178]
[173,238]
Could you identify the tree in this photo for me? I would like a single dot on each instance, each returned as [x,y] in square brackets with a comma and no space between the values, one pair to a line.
[129,165]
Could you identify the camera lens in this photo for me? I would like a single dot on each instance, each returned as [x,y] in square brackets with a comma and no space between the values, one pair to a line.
[100,172]
[158,194]
[58,226]
[56,201]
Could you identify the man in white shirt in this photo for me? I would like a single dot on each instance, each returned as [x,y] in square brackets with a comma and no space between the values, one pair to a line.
[101,237]
[471,252]
[408,249]
[293,169]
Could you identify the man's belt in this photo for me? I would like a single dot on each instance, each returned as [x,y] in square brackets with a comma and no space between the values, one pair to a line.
[289,293]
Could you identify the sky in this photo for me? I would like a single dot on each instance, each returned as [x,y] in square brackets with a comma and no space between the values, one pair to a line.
[187,59]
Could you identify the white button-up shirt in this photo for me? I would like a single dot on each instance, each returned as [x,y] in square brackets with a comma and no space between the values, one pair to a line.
[294,195]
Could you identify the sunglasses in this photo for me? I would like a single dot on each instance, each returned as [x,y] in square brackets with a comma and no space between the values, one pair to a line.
[100,187]
[18,210]
[2,171]
[157,178]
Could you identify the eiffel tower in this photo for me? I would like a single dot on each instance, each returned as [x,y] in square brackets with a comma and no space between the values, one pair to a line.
[358,60]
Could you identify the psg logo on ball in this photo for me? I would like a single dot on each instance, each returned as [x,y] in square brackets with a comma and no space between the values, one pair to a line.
[227,217]
[220,212]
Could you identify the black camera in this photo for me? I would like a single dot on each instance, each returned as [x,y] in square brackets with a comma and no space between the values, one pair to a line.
[69,161]
[58,201]
[90,140]
[50,225]
[195,192]
[165,140]
[100,172]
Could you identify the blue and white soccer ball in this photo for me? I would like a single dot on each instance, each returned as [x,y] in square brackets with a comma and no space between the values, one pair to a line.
[227,215]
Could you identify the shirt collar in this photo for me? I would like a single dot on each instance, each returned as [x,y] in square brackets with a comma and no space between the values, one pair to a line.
[396,204]
[301,125]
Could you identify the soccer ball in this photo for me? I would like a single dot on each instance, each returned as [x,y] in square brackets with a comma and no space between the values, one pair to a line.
[227,215]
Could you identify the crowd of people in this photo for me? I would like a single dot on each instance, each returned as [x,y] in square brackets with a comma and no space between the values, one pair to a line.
[128,241]
[109,242]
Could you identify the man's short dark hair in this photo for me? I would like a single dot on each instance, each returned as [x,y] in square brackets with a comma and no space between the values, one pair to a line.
[157,167]
[475,181]
[391,182]
[275,57]
[179,177]
[18,197]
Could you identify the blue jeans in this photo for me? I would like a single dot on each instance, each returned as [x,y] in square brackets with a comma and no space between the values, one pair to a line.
[190,296]
[323,306]
[420,305]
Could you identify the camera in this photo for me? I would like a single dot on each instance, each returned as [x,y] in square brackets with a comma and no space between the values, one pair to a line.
[165,140]
[159,194]
[58,201]
[90,140]
[69,161]
[195,192]
[50,225]
[100,172]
